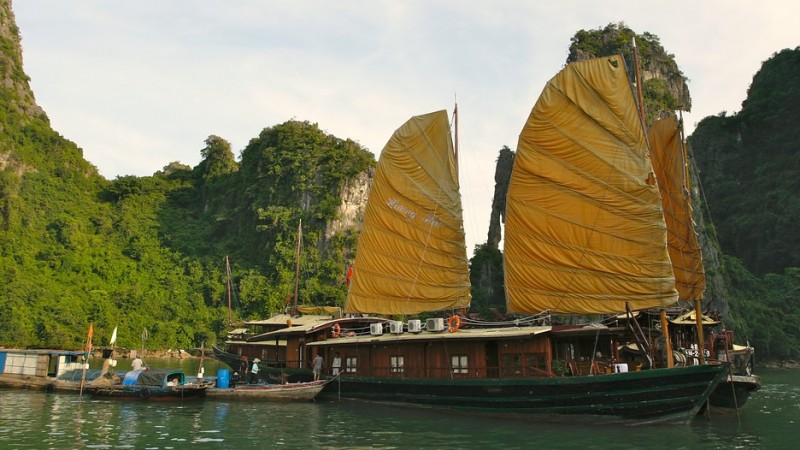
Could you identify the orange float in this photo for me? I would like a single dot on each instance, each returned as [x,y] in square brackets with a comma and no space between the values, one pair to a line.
[454,323]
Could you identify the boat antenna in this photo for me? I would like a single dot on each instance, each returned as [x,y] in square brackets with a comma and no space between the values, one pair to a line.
[144,339]
[228,283]
[201,370]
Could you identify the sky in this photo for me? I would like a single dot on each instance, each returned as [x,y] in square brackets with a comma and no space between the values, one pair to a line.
[138,85]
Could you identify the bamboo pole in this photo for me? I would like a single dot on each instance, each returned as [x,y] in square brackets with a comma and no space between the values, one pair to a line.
[667,340]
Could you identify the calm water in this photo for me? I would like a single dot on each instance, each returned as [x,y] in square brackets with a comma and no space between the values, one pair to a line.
[771,419]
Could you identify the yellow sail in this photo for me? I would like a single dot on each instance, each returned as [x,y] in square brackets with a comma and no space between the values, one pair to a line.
[412,255]
[585,233]
[668,156]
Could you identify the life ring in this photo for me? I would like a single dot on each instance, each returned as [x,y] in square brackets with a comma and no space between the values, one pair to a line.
[336,330]
[454,323]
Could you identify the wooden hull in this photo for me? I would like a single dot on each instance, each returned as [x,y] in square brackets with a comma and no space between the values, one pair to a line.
[648,396]
[732,393]
[148,393]
[268,371]
[290,392]
[34,383]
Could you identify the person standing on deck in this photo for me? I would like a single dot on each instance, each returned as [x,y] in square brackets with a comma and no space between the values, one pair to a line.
[254,371]
[337,364]
[316,365]
[244,368]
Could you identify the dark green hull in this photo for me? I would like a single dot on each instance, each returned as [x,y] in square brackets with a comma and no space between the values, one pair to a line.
[648,396]
[732,393]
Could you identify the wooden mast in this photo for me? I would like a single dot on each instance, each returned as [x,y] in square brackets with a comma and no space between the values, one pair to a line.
[297,264]
[642,117]
[638,80]
[698,302]
[228,275]
[86,357]
[455,139]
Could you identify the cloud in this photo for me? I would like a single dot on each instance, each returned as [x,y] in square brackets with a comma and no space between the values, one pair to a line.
[141,84]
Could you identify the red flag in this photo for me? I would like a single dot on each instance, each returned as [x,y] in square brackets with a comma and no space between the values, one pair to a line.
[349,275]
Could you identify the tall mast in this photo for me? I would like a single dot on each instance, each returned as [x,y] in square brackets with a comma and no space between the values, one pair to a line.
[640,101]
[698,301]
[228,286]
[297,269]
[638,80]
[455,127]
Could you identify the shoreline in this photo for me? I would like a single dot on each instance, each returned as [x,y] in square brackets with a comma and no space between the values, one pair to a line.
[126,353]
[787,364]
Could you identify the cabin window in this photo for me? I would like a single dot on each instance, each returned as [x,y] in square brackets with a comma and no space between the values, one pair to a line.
[512,365]
[460,363]
[350,364]
[535,364]
[396,363]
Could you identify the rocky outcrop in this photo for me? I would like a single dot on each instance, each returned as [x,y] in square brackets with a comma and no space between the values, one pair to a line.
[12,77]
[502,176]
[663,84]
[350,213]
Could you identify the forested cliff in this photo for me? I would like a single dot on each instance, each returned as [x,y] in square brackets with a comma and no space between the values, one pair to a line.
[749,167]
[148,253]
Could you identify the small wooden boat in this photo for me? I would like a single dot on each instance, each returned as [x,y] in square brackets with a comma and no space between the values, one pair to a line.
[289,392]
[151,385]
[44,369]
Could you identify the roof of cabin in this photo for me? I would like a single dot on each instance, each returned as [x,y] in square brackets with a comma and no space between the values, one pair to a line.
[493,333]
[313,324]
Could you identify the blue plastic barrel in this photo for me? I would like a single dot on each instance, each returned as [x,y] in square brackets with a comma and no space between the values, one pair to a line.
[223,378]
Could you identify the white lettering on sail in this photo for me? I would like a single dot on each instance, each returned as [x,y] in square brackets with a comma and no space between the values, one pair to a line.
[433,221]
[405,211]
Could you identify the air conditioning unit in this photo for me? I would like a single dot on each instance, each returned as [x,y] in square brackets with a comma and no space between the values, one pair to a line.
[396,327]
[376,329]
[414,326]
[436,324]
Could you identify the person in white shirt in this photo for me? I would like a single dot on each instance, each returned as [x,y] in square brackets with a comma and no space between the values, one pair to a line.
[337,364]
[254,371]
[137,364]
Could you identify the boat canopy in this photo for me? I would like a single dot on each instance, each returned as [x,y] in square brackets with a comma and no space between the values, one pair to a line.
[156,378]
[690,318]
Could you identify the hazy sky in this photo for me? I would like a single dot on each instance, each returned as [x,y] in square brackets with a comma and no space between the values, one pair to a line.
[139,84]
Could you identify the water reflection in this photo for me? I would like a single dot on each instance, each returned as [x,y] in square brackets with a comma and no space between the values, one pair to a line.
[39,420]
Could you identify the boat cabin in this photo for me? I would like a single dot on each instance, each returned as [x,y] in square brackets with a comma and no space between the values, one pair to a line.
[281,340]
[40,363]
[514,352]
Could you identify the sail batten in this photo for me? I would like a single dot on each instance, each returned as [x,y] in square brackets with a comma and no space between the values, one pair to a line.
[585,232]
[411,254]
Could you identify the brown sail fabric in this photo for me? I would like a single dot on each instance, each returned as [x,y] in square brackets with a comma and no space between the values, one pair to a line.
[411,254]
[585,233]
[668,157]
